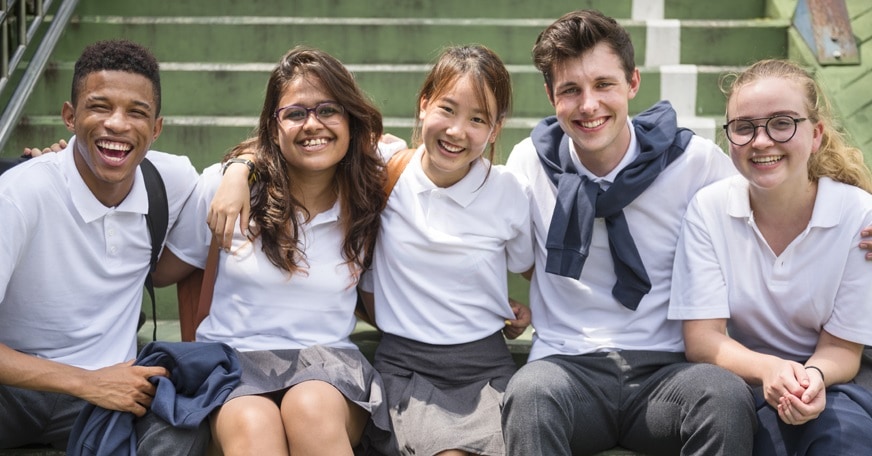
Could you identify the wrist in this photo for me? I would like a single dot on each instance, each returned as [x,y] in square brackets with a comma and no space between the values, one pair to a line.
[248,164]
[252,175]
[819,371]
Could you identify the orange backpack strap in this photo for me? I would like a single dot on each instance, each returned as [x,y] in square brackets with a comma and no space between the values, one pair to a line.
[195,294]
[395,167]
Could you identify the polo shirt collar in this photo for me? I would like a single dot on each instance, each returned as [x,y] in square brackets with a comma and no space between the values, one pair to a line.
[86,204]
[328,216]
[463,192]
[826,212]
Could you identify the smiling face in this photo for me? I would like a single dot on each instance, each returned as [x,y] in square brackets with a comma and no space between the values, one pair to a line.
[115,122]
[765,163]
[591,97]
[311,148]
[455,130]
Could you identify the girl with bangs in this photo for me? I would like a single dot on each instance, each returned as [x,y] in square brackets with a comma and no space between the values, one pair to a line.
[453,225]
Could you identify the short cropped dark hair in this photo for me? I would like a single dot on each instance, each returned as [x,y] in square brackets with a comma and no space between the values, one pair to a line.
[117,55]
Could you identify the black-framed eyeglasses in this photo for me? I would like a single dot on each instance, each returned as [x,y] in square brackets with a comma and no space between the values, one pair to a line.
[780,129]
[327,112]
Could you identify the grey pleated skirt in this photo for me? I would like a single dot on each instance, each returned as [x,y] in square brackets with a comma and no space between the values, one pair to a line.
[274,371]
[444,397]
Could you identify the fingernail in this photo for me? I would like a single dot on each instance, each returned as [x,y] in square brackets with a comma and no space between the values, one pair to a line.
[508,323]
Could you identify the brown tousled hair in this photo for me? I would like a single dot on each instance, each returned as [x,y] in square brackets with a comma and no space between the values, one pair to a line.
[575,33]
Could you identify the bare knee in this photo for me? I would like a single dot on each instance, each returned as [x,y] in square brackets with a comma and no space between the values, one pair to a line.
[249,425]
[315,411]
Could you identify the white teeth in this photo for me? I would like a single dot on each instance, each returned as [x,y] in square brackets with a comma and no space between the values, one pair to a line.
[449,147]
[593,124]
[314,142]
[112,145]
[766,160]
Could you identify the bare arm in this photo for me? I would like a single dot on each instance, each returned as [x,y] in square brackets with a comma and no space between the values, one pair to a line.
[838,360]
[367,313]
[170,269]
[528,274]
[231,200]
[834,361]
[121,387]
[707,341]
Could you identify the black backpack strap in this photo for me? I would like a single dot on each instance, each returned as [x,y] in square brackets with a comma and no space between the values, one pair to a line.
[157,220]
[7,163]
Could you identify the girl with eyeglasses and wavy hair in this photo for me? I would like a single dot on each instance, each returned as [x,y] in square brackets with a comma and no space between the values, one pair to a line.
[768,279]
[286,288]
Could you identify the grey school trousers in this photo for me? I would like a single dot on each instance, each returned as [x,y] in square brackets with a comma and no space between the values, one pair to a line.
[34,417]
[651,402]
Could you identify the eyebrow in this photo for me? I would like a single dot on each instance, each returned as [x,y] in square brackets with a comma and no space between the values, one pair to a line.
[787,112]
[452,101]
[140,103]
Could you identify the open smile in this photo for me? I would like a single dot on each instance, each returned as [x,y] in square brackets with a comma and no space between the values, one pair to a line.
[451,148]
[113,151]
[314,144]
[591,124]
[769,160]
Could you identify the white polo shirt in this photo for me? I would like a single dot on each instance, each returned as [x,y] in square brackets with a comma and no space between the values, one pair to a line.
[257,306]
[72,269]
[776,304]
[576,316]
[439,271]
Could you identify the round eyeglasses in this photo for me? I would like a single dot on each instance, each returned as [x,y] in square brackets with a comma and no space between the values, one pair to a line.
[327,112]
[780,129]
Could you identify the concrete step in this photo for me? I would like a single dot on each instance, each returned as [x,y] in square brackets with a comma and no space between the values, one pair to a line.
[209,108]
[232,90]
[521,9]
[413,40]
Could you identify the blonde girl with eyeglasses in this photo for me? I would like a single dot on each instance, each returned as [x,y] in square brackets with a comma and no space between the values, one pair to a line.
[768,278]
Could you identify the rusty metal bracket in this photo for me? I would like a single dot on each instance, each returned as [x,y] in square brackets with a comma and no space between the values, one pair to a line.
[826,28]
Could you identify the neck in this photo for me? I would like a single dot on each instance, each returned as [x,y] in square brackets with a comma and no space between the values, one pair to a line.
[316,192]
[602,162]
[110,194]
[782,214]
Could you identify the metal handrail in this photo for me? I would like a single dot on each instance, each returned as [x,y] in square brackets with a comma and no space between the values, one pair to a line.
[35,67]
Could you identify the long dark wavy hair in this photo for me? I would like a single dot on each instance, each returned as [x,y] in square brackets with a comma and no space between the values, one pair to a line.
[359,177]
